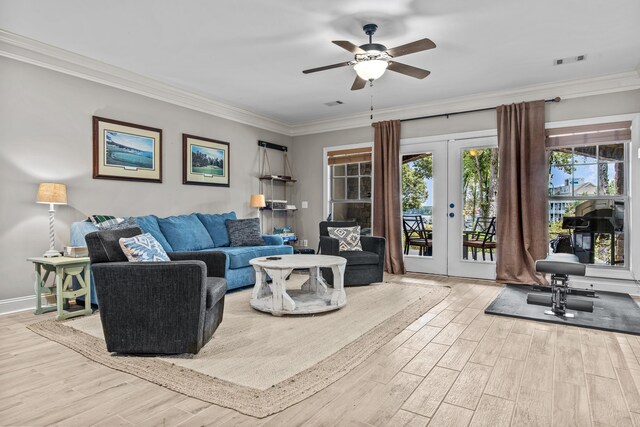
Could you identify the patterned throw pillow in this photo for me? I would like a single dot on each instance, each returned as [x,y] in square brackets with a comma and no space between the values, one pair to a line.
[244,232]
[143,248]
[348,237]
[103,222]
[126,223]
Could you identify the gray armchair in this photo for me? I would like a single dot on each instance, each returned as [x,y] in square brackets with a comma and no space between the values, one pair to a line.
[363,267]
[156,307]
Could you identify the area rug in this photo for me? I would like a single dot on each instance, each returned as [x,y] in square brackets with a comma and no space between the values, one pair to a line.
[612,311]
[260,364]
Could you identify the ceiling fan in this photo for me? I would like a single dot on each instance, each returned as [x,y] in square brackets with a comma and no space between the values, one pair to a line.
[372,59]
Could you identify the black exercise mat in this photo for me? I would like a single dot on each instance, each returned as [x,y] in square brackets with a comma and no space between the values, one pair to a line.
[612,311]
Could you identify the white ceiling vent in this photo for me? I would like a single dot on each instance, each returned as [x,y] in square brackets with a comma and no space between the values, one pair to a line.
[569,59]
[333,103]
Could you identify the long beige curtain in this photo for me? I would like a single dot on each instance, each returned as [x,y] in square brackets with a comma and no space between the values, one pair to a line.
[521,232]
[386,192]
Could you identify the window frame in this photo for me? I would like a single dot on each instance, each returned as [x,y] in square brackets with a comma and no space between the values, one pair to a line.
[327,173]
[632,204]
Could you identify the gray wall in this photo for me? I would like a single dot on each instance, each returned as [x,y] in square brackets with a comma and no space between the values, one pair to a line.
[308,149]
[45,135]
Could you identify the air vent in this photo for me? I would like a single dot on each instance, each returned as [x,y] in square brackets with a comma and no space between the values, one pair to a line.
[569,60]
[333,103]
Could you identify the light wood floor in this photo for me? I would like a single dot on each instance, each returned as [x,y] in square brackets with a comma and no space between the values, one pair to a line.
[455,366]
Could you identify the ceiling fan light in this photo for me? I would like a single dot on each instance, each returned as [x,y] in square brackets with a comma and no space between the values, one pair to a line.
[371,69]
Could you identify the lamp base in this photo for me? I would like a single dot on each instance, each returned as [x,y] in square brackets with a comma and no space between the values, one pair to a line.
[51,253]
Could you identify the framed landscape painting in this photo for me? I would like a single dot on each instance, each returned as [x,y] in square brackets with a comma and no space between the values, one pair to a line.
[126,151]
[205,161]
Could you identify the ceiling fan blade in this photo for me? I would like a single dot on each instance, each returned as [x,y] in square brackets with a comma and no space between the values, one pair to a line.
[416,46]
[408,70]
[358,83]
[349,46]
[326,67]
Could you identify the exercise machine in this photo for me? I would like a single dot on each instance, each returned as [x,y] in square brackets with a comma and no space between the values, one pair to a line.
[561,266]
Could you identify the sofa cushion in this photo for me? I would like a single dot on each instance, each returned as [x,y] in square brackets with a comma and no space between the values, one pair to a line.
[360,257]
[185,233]
[149,224]
[239,256]
[244,232]
[143,248]
[215,225]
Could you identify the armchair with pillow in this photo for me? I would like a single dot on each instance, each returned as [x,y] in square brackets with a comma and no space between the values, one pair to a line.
[152,302]
[364,254]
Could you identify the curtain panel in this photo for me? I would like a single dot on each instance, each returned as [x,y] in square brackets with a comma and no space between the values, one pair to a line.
[386,192]
[521,232]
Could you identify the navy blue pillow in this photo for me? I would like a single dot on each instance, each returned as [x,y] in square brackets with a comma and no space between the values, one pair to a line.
[245,232]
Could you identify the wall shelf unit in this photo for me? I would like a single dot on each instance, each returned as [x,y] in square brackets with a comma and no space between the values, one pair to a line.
[278,215]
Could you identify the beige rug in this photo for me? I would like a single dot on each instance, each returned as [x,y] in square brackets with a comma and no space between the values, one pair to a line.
[260,364]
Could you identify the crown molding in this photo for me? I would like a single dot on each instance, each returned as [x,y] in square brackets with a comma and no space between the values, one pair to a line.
[43,55]
[565,90]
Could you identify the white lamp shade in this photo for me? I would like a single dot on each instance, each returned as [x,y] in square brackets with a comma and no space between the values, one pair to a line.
[55,194]
[257,201]
[371,69]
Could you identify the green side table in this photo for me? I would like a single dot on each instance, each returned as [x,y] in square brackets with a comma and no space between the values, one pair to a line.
[64,269]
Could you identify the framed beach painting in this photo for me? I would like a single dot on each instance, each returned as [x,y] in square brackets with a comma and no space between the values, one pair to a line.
[126,151]
[205,161]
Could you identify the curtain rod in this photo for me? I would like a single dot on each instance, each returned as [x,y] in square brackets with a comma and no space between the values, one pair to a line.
[556,99]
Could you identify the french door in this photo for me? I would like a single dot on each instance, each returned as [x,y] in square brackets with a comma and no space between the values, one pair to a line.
[449,190]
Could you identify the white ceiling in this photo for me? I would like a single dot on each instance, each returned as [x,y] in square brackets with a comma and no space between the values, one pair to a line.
[250,53]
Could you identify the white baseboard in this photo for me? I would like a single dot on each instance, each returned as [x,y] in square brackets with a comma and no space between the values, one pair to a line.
[13,305]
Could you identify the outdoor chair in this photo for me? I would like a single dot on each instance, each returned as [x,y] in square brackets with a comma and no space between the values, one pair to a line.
[416,234]
[482,237]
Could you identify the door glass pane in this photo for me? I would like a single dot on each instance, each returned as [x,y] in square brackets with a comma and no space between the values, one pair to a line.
[593,230]
[352,169]
[417,204]
[480,188]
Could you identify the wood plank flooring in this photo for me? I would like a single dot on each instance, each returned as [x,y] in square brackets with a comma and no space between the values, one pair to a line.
[455,366]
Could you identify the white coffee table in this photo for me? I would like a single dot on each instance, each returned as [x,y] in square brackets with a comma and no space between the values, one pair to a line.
[313,297]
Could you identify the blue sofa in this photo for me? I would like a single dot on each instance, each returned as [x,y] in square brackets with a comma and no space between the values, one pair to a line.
[198,232]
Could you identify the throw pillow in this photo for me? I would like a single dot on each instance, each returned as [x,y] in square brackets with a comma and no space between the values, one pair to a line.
[143,248]
[104,221]
[244,232]
[348,237]
[127,223]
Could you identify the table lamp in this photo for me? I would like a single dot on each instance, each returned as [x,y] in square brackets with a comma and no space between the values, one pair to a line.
[257,201]
[53,194]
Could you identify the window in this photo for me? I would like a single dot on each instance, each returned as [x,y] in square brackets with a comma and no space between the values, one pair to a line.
[350,186]
[588,195]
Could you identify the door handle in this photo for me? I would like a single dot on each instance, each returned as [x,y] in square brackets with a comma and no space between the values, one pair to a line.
[451,214]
